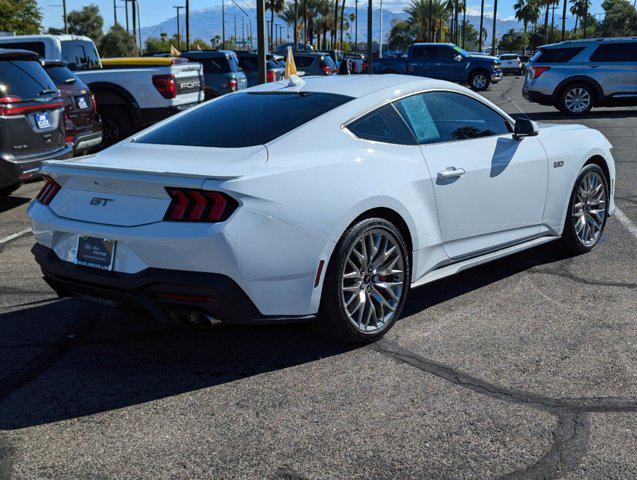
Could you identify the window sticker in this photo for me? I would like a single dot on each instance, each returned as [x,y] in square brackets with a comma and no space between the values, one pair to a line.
[420,119]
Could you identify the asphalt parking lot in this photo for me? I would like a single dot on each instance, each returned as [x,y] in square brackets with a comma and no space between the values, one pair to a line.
[522,368]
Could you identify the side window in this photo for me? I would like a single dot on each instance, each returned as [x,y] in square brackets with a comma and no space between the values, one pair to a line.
[445,53]
[93,61]
[423,52]
[37,47]
[446,116]
[615,52]
[383,125]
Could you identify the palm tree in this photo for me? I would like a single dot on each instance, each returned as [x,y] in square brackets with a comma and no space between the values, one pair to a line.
[579,8]
[526,11]
[495,20]
[343,22]
[418,12]
[481,23]
[275,6]
[401,35]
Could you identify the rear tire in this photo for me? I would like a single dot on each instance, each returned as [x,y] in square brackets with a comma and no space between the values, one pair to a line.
[117,124]
[479,81]
[587,211]
[8,190]
[366,283]
[576,99]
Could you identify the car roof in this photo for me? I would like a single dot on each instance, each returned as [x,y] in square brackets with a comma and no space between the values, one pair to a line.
[14,54]
[358,86]
[587,41]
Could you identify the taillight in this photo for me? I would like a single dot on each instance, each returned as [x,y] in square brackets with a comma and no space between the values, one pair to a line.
[364,67]
[10,107]
[94,103]
[327,69]
[270,75]
[232,84]
[165,85]
[537,71]
[192,205]
[50,190]
[69,139]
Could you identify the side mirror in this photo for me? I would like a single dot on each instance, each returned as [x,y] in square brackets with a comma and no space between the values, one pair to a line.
[524,128]
[458,58]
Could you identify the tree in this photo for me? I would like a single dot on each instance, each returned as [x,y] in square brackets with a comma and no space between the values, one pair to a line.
[275,6]
[514,41]
[620,19]
[116,43]
[527,11]
[401,35]
[87,21]
[418,12]
[20,17]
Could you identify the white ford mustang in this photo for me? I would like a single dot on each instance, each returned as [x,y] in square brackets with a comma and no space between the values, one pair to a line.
[327,200]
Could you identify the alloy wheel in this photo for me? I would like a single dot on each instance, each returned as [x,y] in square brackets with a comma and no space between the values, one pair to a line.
[577,100]
[589,209]
[479,81]
[372,281]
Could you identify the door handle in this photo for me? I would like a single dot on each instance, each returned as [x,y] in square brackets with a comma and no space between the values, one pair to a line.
[451,172]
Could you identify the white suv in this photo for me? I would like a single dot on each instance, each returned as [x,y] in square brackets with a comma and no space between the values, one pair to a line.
[511,63]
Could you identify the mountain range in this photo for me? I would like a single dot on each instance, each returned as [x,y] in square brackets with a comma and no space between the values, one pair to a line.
[206,23]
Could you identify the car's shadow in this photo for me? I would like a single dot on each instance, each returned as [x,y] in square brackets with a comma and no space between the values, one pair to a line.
[72,360]
[594,114]
[11,202]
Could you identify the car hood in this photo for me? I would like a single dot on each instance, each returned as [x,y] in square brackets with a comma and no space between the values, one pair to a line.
[483,58]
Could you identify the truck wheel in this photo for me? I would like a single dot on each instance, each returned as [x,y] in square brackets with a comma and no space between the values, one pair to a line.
[576,99]
[479,81]
[117,124]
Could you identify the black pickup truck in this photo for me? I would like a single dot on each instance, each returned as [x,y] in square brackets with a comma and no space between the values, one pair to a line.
[445,61]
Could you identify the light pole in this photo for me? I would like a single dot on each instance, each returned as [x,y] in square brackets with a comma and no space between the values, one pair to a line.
[134,14]
[296,24]
[356,26]
[261,40]
[495,19]
[480,31]
[178,8]
[369,38]
[223,26]
[188,25]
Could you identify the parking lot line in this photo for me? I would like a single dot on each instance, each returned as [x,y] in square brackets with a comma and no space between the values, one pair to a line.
[630,226]
[14,236]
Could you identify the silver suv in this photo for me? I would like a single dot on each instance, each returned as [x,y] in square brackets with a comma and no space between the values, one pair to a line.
[577,75]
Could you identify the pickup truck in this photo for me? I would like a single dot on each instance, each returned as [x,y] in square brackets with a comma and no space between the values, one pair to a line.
[445,61]
[130,93]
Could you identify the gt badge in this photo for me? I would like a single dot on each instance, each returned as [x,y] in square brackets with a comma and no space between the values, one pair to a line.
[558,164]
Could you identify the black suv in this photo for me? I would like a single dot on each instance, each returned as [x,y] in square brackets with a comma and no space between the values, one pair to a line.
[32,126]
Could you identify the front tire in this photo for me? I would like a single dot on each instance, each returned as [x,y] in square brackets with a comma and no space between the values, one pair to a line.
[479,81]
[366,283]
[587,211]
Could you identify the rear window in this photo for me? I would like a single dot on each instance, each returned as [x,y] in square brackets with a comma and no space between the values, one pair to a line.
[329,62]
[24,79]
[216,64]
[615,52]
[243,119]
[508,57]
[248,63]
[37,47]
[556,55]
[383,125]
[303,61]
[61,74]
[80,55]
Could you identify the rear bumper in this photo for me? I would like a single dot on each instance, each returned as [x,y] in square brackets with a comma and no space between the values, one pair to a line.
[87,141]
[156,291]
[15,171]
[537,97]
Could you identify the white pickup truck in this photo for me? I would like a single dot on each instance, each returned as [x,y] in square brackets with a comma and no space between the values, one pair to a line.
[129,95]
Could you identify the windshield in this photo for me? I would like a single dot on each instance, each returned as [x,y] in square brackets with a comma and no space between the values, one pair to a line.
[461,51]
[243,119]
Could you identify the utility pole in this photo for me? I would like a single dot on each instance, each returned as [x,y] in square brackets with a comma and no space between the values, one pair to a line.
[126,9]
[261,40]
[115,12]
[134,12]
[495,20]
[139,27]
[380,34]
[369,38]
[480,31]
[188,25]
[223,26]
[178,8]
[66,27]
[356,26]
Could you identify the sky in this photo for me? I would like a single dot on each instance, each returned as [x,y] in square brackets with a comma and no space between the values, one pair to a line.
[155,11]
